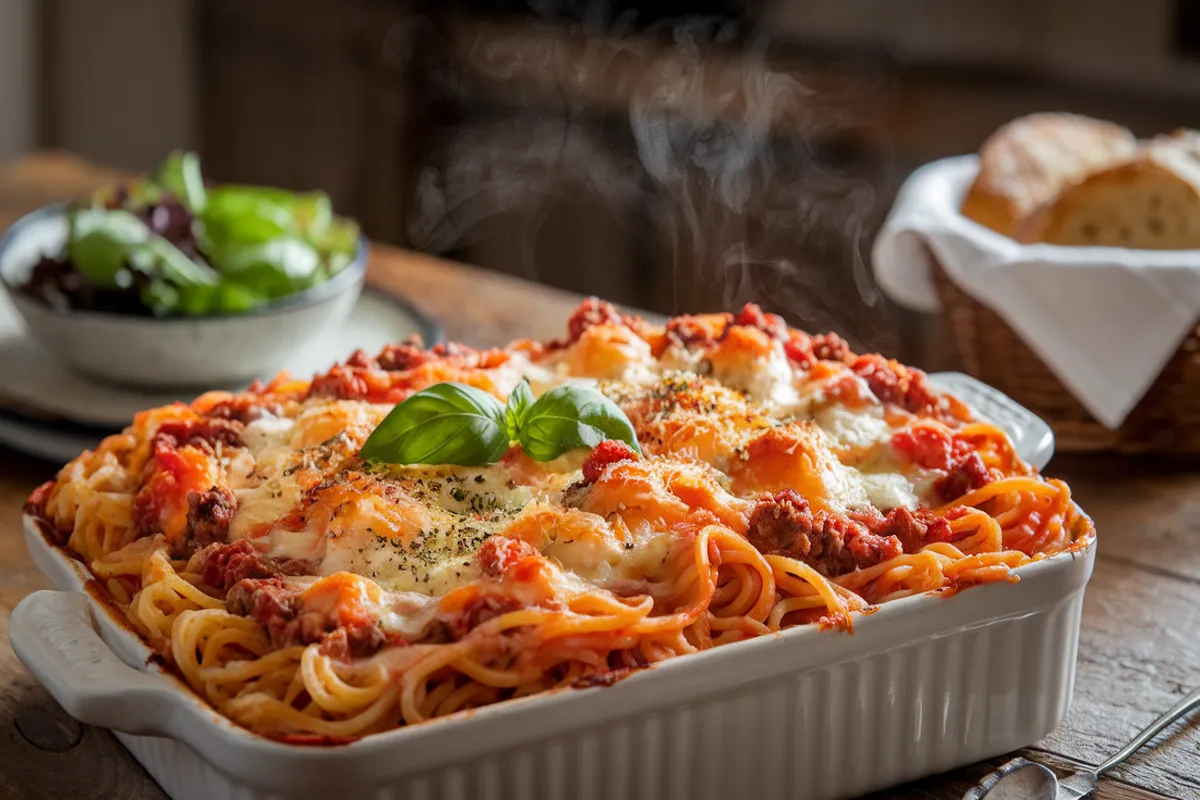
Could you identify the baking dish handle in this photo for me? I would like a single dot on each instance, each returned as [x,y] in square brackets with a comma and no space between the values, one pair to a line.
[52,633]
[1031,436]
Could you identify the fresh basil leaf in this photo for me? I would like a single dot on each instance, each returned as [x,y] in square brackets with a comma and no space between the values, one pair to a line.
[519,401]
[180,175]
[569,417]
[448,423]
[100,243]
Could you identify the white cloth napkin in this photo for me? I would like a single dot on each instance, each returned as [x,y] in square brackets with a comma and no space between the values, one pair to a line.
[1105,320]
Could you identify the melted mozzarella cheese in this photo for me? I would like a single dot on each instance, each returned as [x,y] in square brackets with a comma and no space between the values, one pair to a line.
[889,490]
[609,352]
[596,554]
[423,537]
[506,376]
[874,471]
[410,529]
[267,493]
[767,379]
[780,393]
[406,613]
[677,358]
[414,531]
[850,489]
[844,489]
[862,428]
[266,433]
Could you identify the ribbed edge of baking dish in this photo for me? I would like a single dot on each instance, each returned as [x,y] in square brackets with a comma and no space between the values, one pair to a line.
[922,685]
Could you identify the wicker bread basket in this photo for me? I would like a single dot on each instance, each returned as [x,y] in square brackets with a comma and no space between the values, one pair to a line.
[1165,421]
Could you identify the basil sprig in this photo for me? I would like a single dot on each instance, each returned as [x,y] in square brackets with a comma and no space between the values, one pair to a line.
[452,423]
[448,423]
[567,418]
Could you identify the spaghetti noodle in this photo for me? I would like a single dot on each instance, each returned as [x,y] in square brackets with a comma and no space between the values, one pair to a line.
[783,481]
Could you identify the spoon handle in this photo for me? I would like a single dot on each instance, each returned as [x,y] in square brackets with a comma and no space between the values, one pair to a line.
[1153,729]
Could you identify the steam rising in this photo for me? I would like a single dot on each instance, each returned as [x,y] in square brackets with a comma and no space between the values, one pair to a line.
[701,135]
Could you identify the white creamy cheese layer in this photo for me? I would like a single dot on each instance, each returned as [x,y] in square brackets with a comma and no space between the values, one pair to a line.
[415,530]
[768,379]
[863,428]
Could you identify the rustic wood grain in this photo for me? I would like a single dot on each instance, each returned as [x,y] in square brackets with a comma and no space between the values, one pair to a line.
[46,754]
[18,477]
[1139,648]
[1155,514]
[954,784]
[1138,654]
[474,306]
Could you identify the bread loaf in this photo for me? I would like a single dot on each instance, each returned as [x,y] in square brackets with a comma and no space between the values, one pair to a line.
[1151,202]
[1029,161]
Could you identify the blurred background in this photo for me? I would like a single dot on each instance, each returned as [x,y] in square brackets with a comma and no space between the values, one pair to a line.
[668,155]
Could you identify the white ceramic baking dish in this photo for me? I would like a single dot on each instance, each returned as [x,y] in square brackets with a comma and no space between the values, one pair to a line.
[922,685]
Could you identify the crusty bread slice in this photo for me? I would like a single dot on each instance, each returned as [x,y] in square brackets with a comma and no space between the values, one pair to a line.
[1027,162]
[1150,203]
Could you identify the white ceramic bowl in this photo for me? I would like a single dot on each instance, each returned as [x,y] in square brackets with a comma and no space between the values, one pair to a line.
[171,352]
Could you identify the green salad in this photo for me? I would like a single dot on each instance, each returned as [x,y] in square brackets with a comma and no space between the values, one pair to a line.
[170,244]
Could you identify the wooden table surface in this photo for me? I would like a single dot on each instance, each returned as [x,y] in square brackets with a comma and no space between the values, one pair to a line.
[1139,650]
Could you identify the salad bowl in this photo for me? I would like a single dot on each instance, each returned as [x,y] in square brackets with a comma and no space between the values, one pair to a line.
[216,347]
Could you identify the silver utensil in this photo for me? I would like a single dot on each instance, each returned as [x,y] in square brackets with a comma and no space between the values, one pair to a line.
[1022,779]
